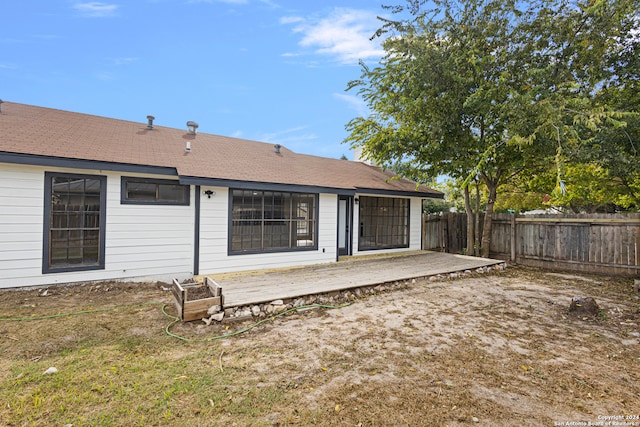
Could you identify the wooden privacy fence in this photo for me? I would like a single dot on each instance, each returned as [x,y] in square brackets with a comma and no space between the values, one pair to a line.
[596,243]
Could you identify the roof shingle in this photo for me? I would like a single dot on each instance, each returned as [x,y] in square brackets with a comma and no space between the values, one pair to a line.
[32,130]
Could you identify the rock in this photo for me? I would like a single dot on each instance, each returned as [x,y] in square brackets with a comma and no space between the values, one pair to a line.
[475,419]
[51,370]
[213,309]
[206,320]
[279,308]
[584,305]
[218,316]
[277,302]
[255,310]
[273,418]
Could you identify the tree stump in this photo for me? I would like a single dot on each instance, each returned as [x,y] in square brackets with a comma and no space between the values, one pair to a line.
[584,305]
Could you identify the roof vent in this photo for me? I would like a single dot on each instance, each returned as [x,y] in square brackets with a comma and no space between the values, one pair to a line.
[277,148]
[1,102]
[187,149]
[150,123]
[192,128]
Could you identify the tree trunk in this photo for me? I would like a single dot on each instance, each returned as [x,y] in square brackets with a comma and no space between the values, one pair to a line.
[486,232]
[470,221]
[476,241]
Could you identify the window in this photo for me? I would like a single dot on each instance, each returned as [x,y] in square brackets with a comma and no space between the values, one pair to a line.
[384,223]
[74,222]
[145,191]
[271,221]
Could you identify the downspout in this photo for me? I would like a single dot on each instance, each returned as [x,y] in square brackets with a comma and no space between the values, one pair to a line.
[196,237]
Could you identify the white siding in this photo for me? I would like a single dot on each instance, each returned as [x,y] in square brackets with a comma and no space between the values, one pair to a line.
[141,243]
[147,242]
[21,209]
[214,224]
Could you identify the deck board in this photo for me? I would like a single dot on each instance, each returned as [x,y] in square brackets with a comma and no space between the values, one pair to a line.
[262,287]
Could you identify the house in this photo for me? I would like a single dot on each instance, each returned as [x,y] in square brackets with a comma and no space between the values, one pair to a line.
[85,198]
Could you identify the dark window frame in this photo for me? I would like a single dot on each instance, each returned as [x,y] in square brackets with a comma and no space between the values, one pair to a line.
[291,220]
[47,266]
[390,222]
[157,182]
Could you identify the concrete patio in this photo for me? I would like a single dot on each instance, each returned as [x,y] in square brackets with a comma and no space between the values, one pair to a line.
[256,287]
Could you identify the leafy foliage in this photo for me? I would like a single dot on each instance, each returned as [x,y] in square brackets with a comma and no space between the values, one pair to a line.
[490,90]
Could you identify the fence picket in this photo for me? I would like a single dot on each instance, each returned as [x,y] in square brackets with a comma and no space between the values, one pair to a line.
[598,243]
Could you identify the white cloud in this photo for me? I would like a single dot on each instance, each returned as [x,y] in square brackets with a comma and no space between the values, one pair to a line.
[271,4]
[123,61]
[354,102]
[47,36]
[292,135]
[344,34]
[96,9]
[219,1]
[291,19]
[105,76]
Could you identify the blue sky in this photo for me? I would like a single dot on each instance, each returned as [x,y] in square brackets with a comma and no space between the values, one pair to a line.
[265,70]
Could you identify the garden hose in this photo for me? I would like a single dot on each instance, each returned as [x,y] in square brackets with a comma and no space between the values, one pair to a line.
[175,319]
[242,331]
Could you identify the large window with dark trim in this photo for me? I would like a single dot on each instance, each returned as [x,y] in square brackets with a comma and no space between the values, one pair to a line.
[271,221]
[147,191]
[74,222]
[384,223]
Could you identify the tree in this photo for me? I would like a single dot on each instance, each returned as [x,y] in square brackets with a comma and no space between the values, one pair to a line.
[486,89]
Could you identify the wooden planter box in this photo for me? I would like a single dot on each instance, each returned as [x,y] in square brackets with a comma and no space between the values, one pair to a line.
[189,301]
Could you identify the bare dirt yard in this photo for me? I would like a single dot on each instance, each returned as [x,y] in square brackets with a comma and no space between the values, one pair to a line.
[500,349]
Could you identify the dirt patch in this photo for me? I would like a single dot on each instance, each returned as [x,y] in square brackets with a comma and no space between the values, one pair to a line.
[498,349]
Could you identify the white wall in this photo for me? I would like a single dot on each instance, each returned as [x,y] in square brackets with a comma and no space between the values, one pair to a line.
[146,242]
[141,243]
[214,223]
[21,211]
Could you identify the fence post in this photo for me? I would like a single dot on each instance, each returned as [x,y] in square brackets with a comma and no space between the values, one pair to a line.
[513,237]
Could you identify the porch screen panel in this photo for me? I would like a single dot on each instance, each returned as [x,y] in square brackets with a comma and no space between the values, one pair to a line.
[272,221]
[384,223]
[74,234]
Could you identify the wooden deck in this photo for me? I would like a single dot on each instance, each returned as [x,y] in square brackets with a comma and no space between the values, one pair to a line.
[240,289]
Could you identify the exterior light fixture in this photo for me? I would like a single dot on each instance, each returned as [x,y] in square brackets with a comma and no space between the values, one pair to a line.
[209,193]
